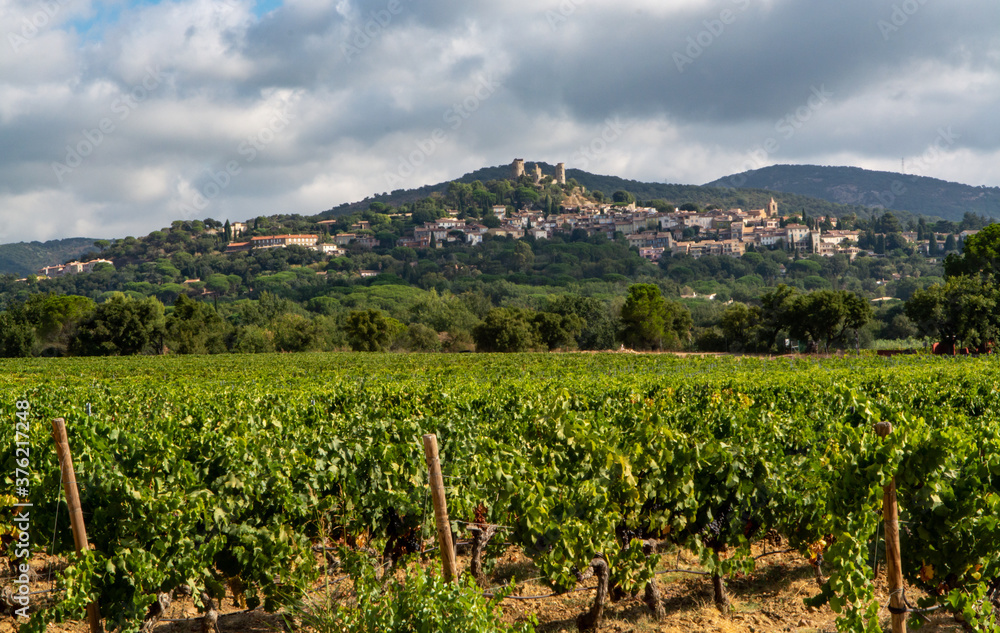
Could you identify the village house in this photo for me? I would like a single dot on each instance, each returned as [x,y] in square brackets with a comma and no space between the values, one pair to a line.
[283,241]
[273,241]
[72,268]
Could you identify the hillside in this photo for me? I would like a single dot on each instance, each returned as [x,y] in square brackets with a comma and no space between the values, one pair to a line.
[876,189]
[25,258]
[748,198]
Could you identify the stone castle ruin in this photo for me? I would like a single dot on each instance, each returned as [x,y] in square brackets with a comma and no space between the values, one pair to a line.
[517,170]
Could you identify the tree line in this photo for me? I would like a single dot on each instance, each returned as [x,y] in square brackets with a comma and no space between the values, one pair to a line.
[58,325]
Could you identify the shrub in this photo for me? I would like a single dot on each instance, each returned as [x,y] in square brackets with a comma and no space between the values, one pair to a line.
[420,602]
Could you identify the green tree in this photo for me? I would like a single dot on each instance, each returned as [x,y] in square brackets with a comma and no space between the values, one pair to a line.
[264,310]
[963,311]
[294,333]
[557,330]
[521,257]
[491,221]
[775,307]
[599,329]
[420,338]
[121,326]
[219,283]
[505,330]
[253,339]
[739,324]
[371,330]
[623,197]
[55,318]
[525,196]
[857,313]
[824,316]
[17,336]
[651,322]
[980,255]
[195,328]
[926,310]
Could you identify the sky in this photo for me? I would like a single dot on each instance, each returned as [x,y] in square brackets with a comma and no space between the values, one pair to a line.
[118,117]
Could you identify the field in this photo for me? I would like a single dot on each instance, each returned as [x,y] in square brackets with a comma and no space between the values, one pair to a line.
[239,478]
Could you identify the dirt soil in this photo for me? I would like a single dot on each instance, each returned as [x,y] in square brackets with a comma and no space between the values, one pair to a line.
[769,599]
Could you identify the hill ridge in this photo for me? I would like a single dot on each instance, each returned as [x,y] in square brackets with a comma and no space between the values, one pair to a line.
[922,195]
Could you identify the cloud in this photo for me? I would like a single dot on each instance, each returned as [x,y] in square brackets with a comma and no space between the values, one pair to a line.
[173,100]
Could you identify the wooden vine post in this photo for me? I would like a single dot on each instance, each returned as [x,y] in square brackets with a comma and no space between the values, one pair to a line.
[440,508]
[75,512]
[894,567]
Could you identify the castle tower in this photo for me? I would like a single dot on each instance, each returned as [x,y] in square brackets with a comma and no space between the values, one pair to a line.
[772,208]
[517,168]
[538,173]
[561,173]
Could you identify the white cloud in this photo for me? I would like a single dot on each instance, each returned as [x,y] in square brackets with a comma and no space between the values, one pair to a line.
[190,85]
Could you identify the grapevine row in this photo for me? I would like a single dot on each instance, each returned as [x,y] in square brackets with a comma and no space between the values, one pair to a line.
[222,478]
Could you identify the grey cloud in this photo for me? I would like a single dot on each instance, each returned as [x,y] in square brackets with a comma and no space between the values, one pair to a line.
[358,110]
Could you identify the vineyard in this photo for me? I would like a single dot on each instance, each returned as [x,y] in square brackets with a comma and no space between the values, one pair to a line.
[242,477]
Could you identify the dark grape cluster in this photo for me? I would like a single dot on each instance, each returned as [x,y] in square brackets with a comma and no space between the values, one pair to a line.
[402,537]
[715,533]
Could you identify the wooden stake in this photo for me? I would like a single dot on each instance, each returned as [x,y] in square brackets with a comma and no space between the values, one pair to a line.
[75,512]
[440,508]
[893,560]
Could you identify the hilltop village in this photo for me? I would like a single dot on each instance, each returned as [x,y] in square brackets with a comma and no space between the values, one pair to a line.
[517,260]
[654,232]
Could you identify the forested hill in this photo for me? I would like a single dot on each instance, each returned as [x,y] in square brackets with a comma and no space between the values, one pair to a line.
[855,186]
[726,197]
[26,258]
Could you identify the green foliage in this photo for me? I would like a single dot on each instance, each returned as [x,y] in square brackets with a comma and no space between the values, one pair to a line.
[371,330]
[598,329]
[826,315]
[557,330]
[525,196]
[420,602]
[121,326]
[506,330]
[623,197]
[651,322]
[420,338]
[294,333]
[739,323]
[579,455]
[980,255]
[17,336]
[253,339]
[963,310]
[195,328]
